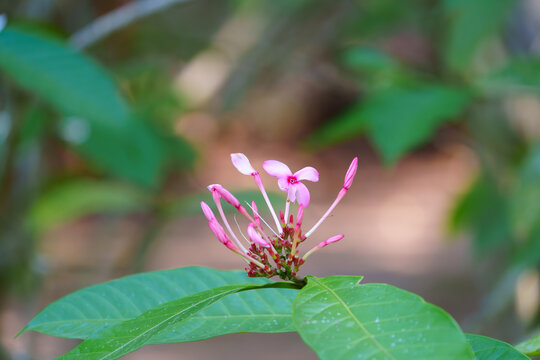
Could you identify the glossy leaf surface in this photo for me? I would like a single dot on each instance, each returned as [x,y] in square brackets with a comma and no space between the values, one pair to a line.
[342,319]
[86,311]
[130,335]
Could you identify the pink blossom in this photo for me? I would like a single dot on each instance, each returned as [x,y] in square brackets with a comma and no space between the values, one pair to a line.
[289,182]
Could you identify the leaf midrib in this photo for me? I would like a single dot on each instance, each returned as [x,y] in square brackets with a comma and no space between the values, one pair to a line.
[208,299]
[356,320]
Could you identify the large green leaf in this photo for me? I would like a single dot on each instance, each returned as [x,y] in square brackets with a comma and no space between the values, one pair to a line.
[339,318]
[486,348]
[400,119]
[530,347]
[130,335]
[397,119]
[86,311]
[98,122]
[471,23]
[70,200]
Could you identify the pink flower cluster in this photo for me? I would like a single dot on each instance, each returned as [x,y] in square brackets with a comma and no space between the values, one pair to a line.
[270,252]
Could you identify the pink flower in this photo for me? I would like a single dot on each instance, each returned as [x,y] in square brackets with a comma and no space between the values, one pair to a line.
[289,182]
[272,252]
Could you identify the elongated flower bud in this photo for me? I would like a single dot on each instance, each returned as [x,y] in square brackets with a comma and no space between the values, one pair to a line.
[225,194]
[221,235]
[349,176]
[255,237]
[242,164]
[207,211]
[333,239]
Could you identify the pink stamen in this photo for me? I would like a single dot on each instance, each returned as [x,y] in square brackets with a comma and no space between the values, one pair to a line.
[349,177]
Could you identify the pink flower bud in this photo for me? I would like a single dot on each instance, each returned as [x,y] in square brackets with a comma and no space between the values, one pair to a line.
[333,239]
[225,194]
[256,237]
[207,211]
[349,176]
[219,232]
[242,164]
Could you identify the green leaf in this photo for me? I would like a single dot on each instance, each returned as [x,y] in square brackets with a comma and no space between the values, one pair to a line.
[397,119]
[66,79]
[75,198]
[98,122]
[486,348]
[519,74]
[525,199]
[400,119]
[530,347]
[483,211]
[130,335]
[342,319]
[471,23]
[86,311]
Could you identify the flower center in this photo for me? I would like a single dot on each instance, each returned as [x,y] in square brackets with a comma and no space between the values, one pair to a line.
[292,180]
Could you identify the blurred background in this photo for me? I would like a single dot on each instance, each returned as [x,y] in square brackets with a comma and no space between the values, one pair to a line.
[115,115]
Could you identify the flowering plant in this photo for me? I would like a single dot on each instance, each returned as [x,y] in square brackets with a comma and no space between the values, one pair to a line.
[279,246]
[339,317]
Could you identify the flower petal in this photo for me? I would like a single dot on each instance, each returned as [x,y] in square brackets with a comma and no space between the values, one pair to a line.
[242,164]
[276,168]
[291,193]
[283,184]
[308,173]
[302,194]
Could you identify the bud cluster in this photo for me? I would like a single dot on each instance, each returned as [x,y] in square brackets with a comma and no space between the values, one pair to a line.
[270,252]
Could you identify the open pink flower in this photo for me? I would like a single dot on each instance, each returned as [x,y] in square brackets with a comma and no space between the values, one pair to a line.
[289,182]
